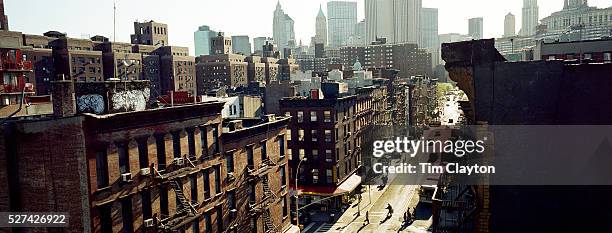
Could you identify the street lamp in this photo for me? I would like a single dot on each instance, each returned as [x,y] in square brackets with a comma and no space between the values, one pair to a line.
[297,193]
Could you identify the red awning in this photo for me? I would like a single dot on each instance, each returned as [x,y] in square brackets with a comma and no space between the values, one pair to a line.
[346,186]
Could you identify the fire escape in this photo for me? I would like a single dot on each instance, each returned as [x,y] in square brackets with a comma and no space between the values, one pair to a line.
[263,207]
[185,210]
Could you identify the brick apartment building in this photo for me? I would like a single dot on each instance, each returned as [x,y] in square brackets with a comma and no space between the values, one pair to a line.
[327,133]
[13,70]
[77,60]
[174,169]
[120,62]
[150,33]
[222,70]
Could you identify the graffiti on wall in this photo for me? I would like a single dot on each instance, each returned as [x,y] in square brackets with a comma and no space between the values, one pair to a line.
[92,103]
[130,100]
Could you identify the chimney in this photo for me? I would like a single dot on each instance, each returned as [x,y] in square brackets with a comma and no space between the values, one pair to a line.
[64,102]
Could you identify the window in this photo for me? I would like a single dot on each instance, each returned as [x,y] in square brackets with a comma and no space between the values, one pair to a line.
[229,161]
[283,174]
[216,139]
[328,156]
[195,227]
[204,141]
[143,153]
[126,215]
[264,151]
[220,218]
[106,220]
[315,175]
[328,136]
[314,136]
[281,145]
[206,184]
[147,212]
[288,135]
[300,117]
[101,169]
[313,116]
[176,144]
[328,175]
[191,142]
[193,183]
[250,160]
[587,56]
[124,159]
[208,223]
[217,179]
[284,206]
[315,155]
[551,57]
[161,152]
[607,57]
[301,135]
[231,200]
[302,154]
[252,193]
[163,201]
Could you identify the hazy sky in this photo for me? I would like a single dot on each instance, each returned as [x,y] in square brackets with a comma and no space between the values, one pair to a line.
[235,17]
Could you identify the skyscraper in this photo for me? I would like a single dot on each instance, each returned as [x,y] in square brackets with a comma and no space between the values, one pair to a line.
[241,44]
[259,42]
[396,20]
[509,25]
[530,17]
[429,34]
[282,28]
[321,28]
[202,40]
[341,23]
[476,28]
[3,18]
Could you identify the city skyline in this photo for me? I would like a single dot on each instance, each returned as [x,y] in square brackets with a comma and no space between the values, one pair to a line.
[183,20]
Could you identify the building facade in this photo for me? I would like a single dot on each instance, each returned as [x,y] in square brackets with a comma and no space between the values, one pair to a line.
[530,18]
[150,33]
[396,20]
[225,70]
[429,34]
[180,170]
[321,28]
[509,25]
[282,28]
[241,45]
[341,22]
[202,39]
[476,28]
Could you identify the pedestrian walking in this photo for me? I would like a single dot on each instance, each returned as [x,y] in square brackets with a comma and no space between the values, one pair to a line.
[390,208]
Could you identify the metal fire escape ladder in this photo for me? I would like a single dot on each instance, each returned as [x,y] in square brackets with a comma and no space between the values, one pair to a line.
[184,208]
[268,194]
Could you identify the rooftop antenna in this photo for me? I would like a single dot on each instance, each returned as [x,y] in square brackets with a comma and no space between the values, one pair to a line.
[114,21]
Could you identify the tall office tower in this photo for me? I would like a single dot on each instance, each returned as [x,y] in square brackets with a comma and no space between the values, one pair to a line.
[202,40]
[150,33]
[3,18]
[396,20]
[509,25]
[429,34]
[282,28]
[571,4]
[241,45]
[358,37]
[321,28]
[259,42]
[341,23]
[476,28]
[530,17]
